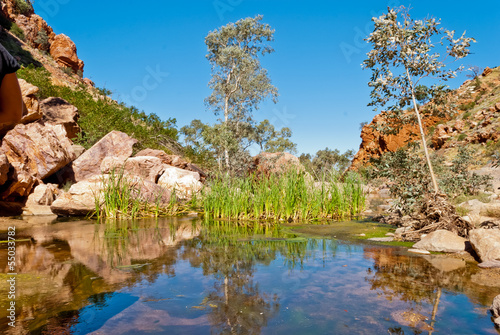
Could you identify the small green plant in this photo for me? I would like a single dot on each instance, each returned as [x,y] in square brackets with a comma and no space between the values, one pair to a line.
[42,39]
[67,70]
[22,7]
[467,106]
[462,211]
[17,31]
[462,137]
[466,115]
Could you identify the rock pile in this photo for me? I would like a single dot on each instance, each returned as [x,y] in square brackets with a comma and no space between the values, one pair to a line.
[38,157]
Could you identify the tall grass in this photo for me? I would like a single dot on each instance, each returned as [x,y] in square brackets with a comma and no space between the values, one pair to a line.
[120,197]
[289,197]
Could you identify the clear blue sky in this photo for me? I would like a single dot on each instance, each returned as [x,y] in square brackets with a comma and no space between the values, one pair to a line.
[316,64]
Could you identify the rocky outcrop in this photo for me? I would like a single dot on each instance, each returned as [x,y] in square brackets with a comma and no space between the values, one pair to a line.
[185,183]
[116,144]
[35,151]
[40,35]
[59,111]
[147,168]
[270,163]
[374,143]
[63,50]
[30,101]
[486,243]
[173,160]
[442,133]
[441,241]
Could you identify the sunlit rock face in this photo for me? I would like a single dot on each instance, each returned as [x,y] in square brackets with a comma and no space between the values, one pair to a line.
[35,151]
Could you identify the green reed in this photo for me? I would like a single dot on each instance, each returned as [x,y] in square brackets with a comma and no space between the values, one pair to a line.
[290,196]
[120,197]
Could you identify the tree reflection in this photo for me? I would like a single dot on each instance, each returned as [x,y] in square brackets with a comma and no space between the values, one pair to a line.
[230,254]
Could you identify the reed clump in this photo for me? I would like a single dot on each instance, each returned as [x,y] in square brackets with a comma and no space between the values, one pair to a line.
[290,196]
[120,197]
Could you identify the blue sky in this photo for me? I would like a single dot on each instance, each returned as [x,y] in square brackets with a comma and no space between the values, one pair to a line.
[152,55]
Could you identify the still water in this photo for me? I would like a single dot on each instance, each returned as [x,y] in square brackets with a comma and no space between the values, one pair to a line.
[183,276]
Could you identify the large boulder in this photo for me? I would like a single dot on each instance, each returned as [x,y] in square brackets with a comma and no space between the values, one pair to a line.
[59,111]
[184,182]
[115,144]
[30,101]
[277,162]
[441,241]
[80,200]
[146,167]
[173,160]
[486,243]
[63,50]
[35,151]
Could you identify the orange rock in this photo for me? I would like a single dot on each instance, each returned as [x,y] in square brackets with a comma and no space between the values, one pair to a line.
[63,50]
[374,144]
[487,71]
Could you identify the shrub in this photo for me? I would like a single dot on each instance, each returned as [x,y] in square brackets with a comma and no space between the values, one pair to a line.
[22,7]
[42,39]
[466,116]
[467,106]
[462,137]
[410,181]
[17,31]
[457,180]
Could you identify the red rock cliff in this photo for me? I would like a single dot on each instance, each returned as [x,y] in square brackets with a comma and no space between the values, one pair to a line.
[61,47]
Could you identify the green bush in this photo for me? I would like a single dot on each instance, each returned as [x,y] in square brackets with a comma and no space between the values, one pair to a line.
[410,180]
[22,7]
[467,106]
[462,137]
[18,32]
[42,39]
[466,116]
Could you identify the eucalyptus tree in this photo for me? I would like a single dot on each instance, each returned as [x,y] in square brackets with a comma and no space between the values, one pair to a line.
[404,53]
[238,83]
[271,140]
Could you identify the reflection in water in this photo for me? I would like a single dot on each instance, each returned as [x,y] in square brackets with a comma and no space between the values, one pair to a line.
[182,276]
